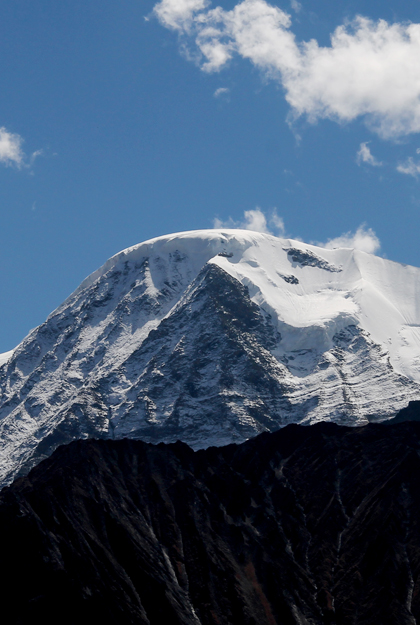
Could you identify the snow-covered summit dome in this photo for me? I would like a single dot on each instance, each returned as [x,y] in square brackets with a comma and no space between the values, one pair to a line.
[212,336]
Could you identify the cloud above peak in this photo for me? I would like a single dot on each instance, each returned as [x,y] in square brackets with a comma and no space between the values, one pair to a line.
[256,221]
[363,239]
[370,69]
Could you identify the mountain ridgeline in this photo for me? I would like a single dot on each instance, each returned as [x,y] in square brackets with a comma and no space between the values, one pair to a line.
[314,525]
[213,337]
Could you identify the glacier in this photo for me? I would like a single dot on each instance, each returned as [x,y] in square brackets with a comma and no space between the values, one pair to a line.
[211,337]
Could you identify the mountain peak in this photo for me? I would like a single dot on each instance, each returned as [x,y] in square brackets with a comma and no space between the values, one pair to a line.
[213,336]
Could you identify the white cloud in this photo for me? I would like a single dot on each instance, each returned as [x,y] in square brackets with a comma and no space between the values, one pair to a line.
[410,167]
[10,148]
[256,221]
[11,152]
[296,6]
[178,14]
[364,155]
[222,91]
[370,70]
[363,239]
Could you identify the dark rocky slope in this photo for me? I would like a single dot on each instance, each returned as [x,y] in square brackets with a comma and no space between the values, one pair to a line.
[308,525]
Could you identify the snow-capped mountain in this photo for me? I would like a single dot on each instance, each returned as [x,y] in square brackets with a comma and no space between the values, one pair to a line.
[211,337]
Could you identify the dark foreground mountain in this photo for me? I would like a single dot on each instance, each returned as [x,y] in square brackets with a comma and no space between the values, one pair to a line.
[308,525]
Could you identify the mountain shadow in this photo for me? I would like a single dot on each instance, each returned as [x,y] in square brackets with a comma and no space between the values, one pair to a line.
[311,525]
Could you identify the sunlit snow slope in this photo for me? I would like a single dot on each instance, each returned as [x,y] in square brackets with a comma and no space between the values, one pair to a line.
[211,337]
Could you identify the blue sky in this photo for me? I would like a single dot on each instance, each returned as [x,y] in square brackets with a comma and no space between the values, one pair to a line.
[125,120]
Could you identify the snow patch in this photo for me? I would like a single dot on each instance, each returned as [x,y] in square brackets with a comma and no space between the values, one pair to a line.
[5,356]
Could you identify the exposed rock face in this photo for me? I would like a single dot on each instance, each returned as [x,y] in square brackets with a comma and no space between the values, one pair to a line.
[309,525]
[212,337]
[309,259]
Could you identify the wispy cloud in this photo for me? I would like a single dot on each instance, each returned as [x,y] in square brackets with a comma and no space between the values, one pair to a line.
[34,156]
[222,91]
[370,70]
[410,167]
[364,239]
[255,220]
[364,155]
[296,6]
[11,152]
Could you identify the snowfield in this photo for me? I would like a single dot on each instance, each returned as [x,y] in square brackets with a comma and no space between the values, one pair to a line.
[5,356]
[213,336]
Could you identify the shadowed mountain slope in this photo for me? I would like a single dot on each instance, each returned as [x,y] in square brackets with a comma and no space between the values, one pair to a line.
[308,525]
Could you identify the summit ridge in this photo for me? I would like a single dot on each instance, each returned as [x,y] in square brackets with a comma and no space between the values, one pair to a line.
[211,337]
